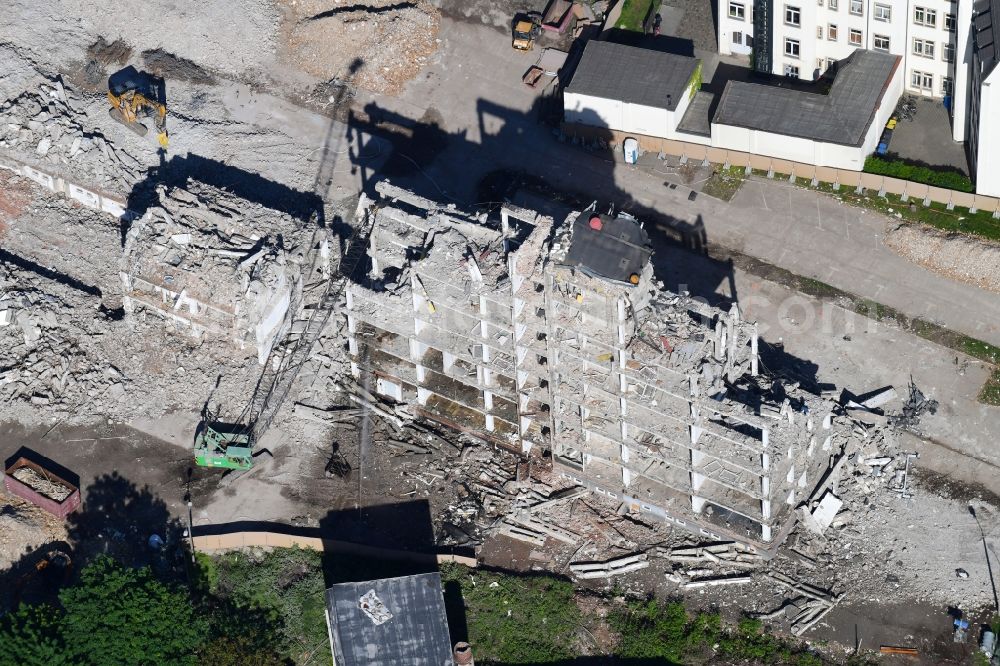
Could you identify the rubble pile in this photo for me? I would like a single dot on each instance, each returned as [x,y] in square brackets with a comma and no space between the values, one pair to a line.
[211,263]
[25,527]
[49,488]
[43,126]
[41,362]
[378,45]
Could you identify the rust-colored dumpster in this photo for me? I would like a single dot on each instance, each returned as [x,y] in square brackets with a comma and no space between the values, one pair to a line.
[42,488]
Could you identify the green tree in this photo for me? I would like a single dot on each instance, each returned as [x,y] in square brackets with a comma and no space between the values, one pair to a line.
[118,615]
[30,636]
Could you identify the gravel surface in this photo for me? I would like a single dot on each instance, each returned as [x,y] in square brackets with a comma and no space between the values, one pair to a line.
[957,256]
[24,527]
[378,44]
[238,36]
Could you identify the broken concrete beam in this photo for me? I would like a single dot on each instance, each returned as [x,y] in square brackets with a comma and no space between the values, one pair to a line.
[820,518]
[805,589]
[803,628]
[561,496]
[525,519]
[881,397]
[718,580]
[621,565]
[867,417]
[522,534]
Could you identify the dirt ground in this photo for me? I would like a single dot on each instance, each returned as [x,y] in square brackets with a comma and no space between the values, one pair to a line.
[257,87]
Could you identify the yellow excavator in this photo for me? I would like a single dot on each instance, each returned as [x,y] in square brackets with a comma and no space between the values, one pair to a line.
[132,96]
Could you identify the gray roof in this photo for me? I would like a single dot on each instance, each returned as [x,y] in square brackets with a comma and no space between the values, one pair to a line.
[842,116]
[630,74]
[415,635]
[986,33]
[616,251]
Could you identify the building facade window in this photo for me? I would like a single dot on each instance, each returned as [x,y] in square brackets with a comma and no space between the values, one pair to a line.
[946,86]
[738,38]
[830,62]
[819,32]
[855,37]
[793,16]
[880,42]
[833,4]
[857,7]
[792,70]
[883,13]
[791,47]
[749,40]
[819,2]
[949,23]
[820,65]
[923,47]
[924,16]
[737,10]
[921,80]
[831,32]
[948,52]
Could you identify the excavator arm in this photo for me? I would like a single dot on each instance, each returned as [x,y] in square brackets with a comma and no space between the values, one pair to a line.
[130,104]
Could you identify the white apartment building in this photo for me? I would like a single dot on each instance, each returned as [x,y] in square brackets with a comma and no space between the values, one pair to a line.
[803,38]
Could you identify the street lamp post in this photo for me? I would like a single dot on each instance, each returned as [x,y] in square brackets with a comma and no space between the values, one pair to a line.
[989,566]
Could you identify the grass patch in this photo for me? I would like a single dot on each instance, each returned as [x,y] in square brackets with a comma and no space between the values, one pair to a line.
[948,178]
[990,395]
[517,619]
[665,631]
[634,13]
[285,585]
[981,223]
[723,184]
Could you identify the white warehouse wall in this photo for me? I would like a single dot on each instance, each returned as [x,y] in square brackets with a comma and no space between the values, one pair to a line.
[963,60]
[988,165]
[624,116]
[729,25]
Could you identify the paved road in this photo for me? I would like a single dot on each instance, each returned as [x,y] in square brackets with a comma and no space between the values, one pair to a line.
[487,124]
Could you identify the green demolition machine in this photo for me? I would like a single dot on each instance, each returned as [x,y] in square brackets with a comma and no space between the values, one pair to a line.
[219,446]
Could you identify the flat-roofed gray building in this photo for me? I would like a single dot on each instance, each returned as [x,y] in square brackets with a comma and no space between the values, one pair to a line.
[389,622]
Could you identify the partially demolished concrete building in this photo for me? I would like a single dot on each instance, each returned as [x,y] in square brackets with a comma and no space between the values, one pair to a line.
[555,336]
[214,266]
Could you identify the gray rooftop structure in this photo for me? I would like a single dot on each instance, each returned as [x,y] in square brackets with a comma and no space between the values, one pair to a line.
[631,74]
[416,633]
[612,247]
[841,116]
[986,33]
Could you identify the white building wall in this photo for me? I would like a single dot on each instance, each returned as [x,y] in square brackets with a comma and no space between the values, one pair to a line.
[819,45]
[988,166]
[788,148]
[624,116]
[735,33]
[963,61]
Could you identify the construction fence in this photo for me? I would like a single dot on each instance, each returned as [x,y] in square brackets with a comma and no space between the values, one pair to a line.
[687,152]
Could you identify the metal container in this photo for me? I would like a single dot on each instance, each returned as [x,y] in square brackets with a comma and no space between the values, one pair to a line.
[24,491]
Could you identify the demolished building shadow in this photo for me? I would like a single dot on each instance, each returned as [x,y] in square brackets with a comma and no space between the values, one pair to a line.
[307,207]
[433,163]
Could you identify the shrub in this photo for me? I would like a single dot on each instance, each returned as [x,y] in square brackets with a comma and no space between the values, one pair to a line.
[952,180]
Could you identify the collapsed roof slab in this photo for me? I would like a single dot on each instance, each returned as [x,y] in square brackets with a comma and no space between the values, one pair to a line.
[214,265]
